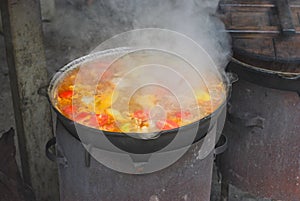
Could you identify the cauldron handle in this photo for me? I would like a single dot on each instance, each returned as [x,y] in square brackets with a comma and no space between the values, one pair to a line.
[55,156]
[221,145]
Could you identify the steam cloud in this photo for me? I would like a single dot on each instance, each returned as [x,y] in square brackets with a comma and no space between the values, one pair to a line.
[194,18]
[197,36]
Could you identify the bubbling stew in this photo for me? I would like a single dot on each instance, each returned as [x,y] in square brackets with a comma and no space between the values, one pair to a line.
[89,95]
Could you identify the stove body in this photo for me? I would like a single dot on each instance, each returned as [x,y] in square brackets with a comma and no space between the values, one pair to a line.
[263,124]
[187,179]
[263,131]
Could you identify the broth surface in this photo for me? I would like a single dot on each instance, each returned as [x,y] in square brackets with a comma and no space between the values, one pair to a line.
[91,95]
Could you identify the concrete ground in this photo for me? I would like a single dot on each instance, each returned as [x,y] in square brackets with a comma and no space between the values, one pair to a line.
[76,29]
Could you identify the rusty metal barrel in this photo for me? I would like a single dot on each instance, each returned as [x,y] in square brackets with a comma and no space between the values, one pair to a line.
[263,124]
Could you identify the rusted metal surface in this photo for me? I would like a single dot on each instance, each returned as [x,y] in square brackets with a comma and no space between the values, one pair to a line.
[27,73]
[263,157]
[189,179]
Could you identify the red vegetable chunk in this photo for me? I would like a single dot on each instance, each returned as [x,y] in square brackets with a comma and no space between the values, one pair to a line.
[69,110]
[66,94]
[82,116]
[141,114]
[93,121]
[183,114]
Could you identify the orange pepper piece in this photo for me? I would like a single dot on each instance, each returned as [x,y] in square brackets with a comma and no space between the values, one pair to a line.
[102,119]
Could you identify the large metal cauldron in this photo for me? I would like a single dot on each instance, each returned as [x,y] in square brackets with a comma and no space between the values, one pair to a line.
[121,140]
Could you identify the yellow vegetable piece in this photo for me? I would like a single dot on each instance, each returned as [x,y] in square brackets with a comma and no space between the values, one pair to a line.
[107,100]
[125,127]
[116,115]
[203,96]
